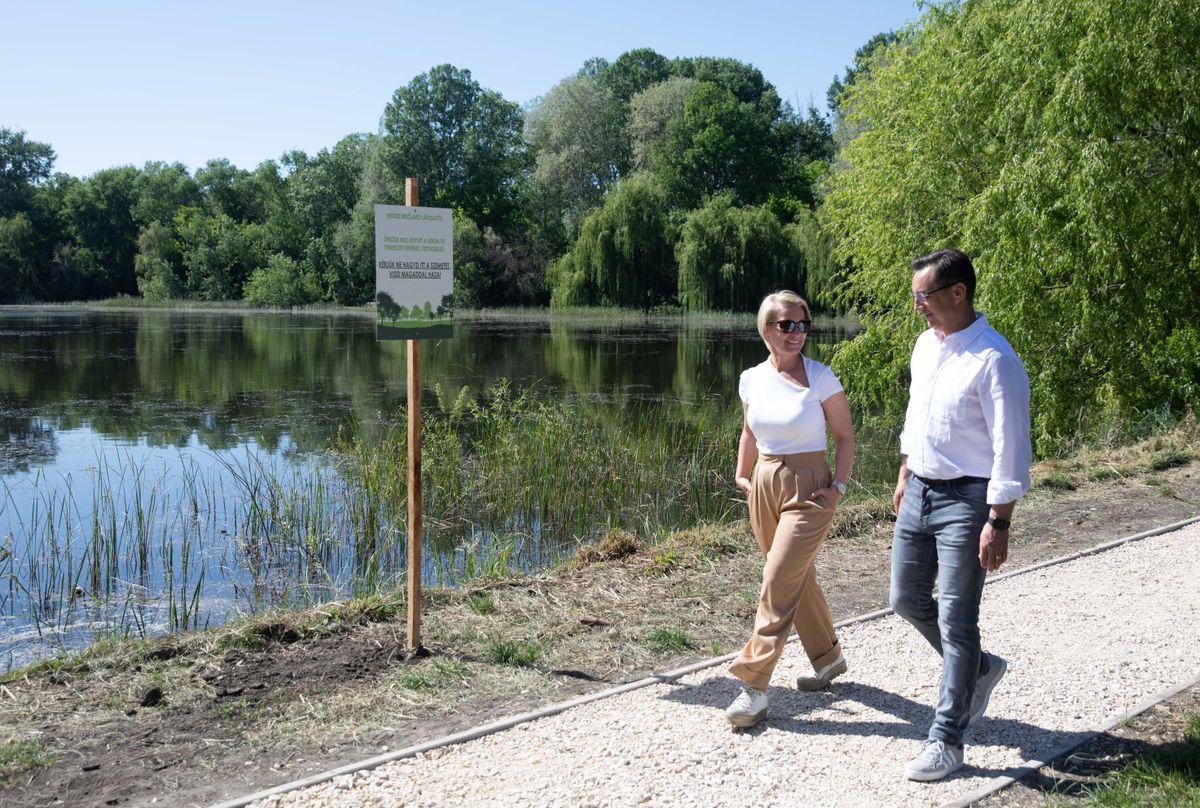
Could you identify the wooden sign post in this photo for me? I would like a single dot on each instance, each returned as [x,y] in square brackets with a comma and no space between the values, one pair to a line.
[414,287]
[415,526]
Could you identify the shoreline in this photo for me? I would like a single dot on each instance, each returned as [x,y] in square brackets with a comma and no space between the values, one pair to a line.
[585,315]
[294,695]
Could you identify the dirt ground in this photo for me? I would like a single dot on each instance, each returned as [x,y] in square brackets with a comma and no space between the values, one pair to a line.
[211,716]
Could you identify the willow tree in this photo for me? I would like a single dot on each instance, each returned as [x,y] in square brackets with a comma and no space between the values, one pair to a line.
[729,257]
[623,256]
[1057,142]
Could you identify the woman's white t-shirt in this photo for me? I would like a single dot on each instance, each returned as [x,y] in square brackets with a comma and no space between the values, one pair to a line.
[785,417]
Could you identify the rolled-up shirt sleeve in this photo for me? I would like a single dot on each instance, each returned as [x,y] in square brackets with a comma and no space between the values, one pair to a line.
[1004,396]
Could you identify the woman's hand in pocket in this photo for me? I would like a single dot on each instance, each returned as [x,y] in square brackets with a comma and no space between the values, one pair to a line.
[827,497]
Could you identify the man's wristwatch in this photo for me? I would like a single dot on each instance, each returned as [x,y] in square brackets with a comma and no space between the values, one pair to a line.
[999,524]
[840,486]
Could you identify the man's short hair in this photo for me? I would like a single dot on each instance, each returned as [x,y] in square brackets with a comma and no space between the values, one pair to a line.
[950,266]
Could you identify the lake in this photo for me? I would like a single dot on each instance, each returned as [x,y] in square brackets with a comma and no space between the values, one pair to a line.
[141,450]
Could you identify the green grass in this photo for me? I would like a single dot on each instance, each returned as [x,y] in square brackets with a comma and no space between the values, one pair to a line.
[438,673]
[1099,475]
[1168,778]
[665,561]
[1056,481]
[481,603]
[236,709]
[416,680]
[669,641]
[25,754]
[1168,459]
[518,653]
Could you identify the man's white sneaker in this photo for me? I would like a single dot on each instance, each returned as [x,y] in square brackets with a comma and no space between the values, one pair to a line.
[748,708]
[984,687]
[935,760]
[824,676]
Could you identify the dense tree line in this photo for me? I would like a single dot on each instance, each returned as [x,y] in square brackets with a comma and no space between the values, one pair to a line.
[597,194]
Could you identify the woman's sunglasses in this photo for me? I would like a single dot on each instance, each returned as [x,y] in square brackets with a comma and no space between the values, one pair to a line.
[788,326]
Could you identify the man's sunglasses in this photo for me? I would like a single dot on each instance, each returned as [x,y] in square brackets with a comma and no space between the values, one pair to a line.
[788,326]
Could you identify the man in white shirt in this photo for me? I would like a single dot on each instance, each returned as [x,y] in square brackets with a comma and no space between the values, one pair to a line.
[965,462]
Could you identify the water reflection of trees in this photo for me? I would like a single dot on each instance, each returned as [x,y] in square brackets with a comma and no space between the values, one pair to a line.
[25,441]
[294,380]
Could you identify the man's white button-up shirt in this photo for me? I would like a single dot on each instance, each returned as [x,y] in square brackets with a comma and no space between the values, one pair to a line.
[968,411]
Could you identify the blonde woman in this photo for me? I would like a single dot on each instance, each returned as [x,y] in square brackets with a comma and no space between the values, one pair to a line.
[790,404]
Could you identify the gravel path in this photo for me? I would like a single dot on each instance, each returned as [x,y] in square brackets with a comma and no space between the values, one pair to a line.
[1086,640]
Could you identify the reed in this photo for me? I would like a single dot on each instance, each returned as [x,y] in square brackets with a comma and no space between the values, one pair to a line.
[512,482]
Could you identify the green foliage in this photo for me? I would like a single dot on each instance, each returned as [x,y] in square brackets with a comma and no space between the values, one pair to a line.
[462,141]
[351,279]
[1056,481]
[623,255]
[702,126]
[730,257]
[744,81]
[633,72]
[814,245]
[437,673]
[492,271]
[1167,777]
[24,754]
[481,603]
[282,283]
[1054,142]
[721,144]
[229,191]
[520,653]
[18,257]
[162,189]
[863,59]
[23,164]
[99,217]
[669,641]
[218,253]
[577,131]
[155,264]
[416,680]
[651,113]
[666,560]
[1169,459]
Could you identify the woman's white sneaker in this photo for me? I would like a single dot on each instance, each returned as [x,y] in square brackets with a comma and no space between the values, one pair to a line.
[824,676]
[748,708]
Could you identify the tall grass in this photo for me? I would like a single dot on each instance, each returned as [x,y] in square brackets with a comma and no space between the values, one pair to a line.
[523,477]
[511,482]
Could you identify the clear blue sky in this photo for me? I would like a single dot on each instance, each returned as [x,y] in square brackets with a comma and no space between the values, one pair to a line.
[124,82]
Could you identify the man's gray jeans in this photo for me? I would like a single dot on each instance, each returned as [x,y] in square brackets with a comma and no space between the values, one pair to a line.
[937,540]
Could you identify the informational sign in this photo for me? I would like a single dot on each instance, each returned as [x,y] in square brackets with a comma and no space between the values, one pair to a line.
[414,272]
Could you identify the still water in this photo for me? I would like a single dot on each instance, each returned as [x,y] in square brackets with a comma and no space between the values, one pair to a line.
[143,423]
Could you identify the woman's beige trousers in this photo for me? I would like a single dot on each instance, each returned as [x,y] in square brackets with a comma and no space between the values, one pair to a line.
[790,529]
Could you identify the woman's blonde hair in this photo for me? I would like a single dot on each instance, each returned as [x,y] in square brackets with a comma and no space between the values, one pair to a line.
[784,297]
